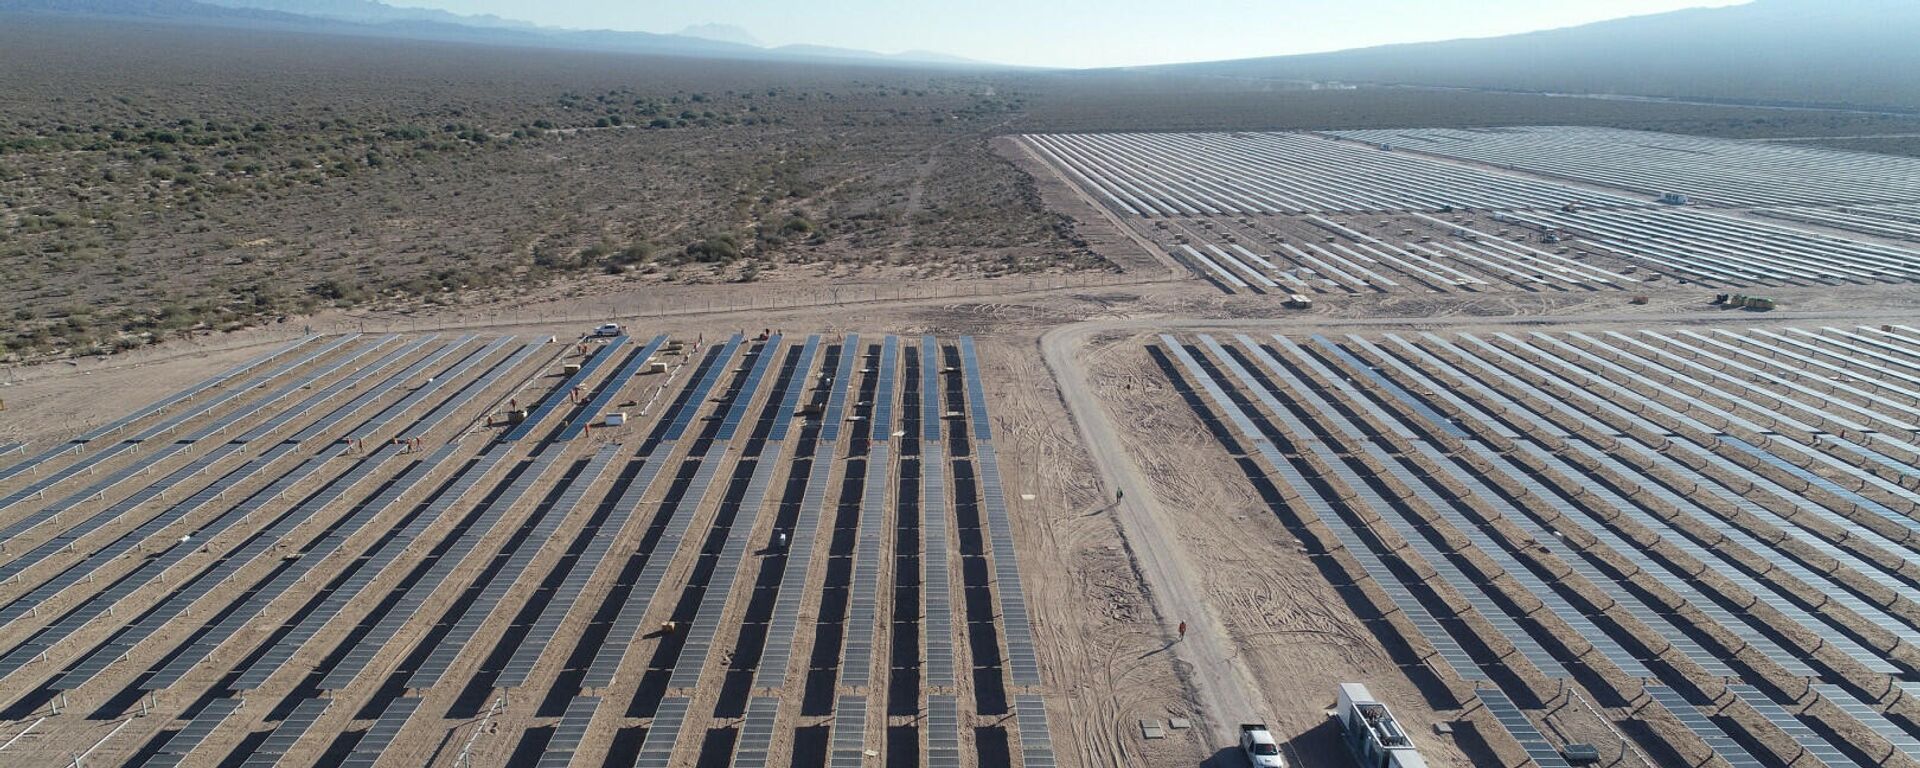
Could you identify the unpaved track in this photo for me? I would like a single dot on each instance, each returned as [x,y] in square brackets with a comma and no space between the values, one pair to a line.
[1222,684]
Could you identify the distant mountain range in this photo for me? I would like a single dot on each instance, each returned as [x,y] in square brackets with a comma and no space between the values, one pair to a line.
[1830,53]
[377,19]
[1843,53]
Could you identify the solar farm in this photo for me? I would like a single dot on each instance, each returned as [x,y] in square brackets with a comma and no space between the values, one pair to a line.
[1687,547]
[406,550]
[1505,483]
[1468,211]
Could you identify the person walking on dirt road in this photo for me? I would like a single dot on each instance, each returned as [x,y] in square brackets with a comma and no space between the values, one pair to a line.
[1183,630]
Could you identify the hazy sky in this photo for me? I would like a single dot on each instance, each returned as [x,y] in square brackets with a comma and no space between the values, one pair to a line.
[1081,33]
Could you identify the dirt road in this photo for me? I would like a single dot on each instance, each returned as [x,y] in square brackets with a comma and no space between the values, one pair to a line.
[1221,684]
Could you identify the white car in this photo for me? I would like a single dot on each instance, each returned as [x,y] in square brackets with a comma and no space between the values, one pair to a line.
[1261,749]
[608,329]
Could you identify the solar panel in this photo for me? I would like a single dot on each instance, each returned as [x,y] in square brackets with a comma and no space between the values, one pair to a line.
[713,600]
[1022,660]
[191,590]
[663,733]
[743,397]
[287,734]
[1720,741]
[783,625]
[522,552]
[626,624]
[943,731]
[184,741]
[373,428]
[362,572]
[929,389]
[1469,589]
[256,603]
[568,734]
[935,577]
[111,514]
[1448,652]
[228,420]
[185,394]
[564,394]
[1036,740]
[1590,566]
[378,738]
[884,390]
[1764,592]
[1806,737]
[976,390]
[208,405]
[416,597]
[596,408]
[841,382]
[34,463]
[538,637]
[1864,712]
[795,391]
[756,734]
[1522,729]
[351,381]
[849,733]
[677,428]
[863,592]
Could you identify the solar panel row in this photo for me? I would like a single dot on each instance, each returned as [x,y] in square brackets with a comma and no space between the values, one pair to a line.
[1720,741]
[361,572]
[743,397]
[555,608]
[1448,652]
[1516,723]
[791,401]
[1036,740]
[626,627]
[565,393]
[185,394]
[849,733]
[756,733]
[663,733]
[1808,739]
[351,381]
[357,655]
[284,736]
[596,408]
[1752,630]
[183,742]
[224,566]
[713,600]
[1475,594]
[256,603]
[840,385]
[677,428]
[571,501]
[863,591]
[568,734]
[782,628]
[1591,565]
[374,743]
[1765,592]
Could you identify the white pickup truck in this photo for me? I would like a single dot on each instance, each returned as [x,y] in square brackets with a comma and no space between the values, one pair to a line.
[1261,749]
